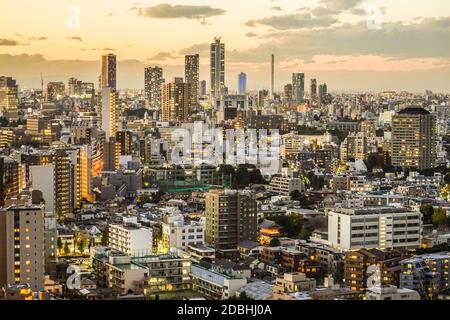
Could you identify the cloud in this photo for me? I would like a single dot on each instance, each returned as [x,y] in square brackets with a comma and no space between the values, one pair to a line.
[340,4]
[10,43]
[251,34]
[196,48]
[293,21]
[99,49]
[75,38]
[277,8]
[420,39]
[163,56]
[37,38]
[168,11]
[358,12]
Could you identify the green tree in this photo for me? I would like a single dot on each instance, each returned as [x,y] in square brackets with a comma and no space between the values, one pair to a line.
[447,178]
[304,233]
[439,217]
[255,177]
[243,296]
[66,248]
[81,246]
[105,237]
[274,242]
[427,212]
[242,177]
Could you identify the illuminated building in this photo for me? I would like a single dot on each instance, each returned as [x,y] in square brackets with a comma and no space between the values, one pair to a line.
[192,76]
[414,139]
[217,68]
[17,292]
[131,238]
[242,83]
[268,230]
[22,246]
[178,234]
[63,180]
[124,138]
[11,177]
[230,218]
[153,78]
[108,72]
[175,101]
[55,91]
[298,87]
[9,98]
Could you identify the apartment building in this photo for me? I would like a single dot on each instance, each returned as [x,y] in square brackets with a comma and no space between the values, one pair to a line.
[179,234]
[131,238]
[286,183]
[374,227]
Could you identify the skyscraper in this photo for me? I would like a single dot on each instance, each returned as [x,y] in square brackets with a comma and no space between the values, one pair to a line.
[288,92]
[242,83]
[22,246]
[108,112]
[203,88]
[313,90]
[175,101]
[272,75]
[323,91]
[153,86]
[108,72]
[63,183]
[230,218]
[217,68]
[414,138]
[192,77]
[298,86]
[8,97]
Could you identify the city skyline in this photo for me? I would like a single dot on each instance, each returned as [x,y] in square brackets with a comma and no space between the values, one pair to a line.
[351,45]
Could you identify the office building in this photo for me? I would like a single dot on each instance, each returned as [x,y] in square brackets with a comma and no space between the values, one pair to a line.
[298,87]
[231,217]
[55,91]
[108,72]
[414,139]
[323,91]
[288,93]
[374,227]
[175,101]
[108,112]
[9,98]
[313,90]
[10,175]
[125,139]
[217,68]
[153,78]
[22,246]
[242,83]
[203,88]
[192,77]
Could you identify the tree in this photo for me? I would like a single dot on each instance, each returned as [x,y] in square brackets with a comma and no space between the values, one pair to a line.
[255,177]
[81,246]
[59,243]
[447,178]
[295,195]
[427,212]
[66,248]
[242,177]
[439,217]
[243,296]
[105,237]
[304,233]
[274,242]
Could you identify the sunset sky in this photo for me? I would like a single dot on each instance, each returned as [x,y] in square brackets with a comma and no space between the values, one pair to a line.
[353,45]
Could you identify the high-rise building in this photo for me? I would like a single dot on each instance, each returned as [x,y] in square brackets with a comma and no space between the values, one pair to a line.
[272,75]
[313,90]
[298,86]
[203,88]
[55,90]
[111,155]
[2,183]
[414,138]
[108,112]
[288,93]
[22,246]
[175,101]
[230,218]
[63,183]
[153,86]
[124,138]
[9,97]
[242,83]
[192,77]
[217,68]
[323,91]
[10,174]
[108,72]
